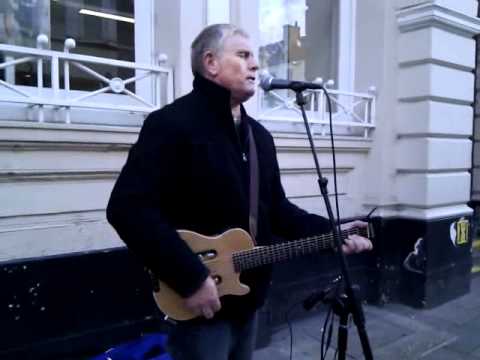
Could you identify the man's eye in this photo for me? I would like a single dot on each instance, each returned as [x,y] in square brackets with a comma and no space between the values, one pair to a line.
[244,54]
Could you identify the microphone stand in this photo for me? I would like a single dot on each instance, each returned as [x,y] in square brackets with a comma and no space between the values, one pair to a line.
[347,303]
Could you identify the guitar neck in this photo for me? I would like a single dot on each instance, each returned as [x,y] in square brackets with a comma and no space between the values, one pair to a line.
[265,255]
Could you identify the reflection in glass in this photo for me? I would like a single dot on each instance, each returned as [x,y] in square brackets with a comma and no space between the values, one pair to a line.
[298,40]
[108,34]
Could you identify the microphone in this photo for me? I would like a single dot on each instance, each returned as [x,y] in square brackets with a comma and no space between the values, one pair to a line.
[268,82]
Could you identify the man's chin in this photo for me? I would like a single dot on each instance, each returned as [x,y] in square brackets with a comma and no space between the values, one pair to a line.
[245,95]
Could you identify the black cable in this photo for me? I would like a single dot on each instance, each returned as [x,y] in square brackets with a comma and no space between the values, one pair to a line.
[332,143]
[329,337]
[287,318]
[347,355]
[322,182]
[334,159]
[323,352]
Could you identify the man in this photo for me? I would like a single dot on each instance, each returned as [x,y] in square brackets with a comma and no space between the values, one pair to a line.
[190,170]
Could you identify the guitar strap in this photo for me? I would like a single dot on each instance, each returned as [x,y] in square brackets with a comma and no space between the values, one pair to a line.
[253,160]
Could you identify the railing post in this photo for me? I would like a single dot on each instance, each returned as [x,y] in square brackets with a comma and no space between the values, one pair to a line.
[42,42]
[68,45]
[372,90]
[55,76]
[161,91]
[316,99]
[10,71]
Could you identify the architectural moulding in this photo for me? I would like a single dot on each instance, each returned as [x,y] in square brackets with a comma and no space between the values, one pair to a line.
[432,15]
[65,175]
[15,133]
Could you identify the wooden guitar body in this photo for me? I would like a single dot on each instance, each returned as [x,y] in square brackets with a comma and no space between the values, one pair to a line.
[216,253]
[232,252]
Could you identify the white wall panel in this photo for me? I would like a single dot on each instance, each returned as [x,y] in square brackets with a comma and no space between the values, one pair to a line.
[430,80]
[44,197]
[433,117]
[48,235]
[299,184]
[316,205]
[433,154]
[429,190]
[59,161]
[428,44]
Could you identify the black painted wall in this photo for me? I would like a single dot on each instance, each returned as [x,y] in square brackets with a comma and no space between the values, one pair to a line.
[423,263]
[54,307]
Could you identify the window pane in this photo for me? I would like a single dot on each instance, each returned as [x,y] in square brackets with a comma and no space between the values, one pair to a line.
[96,33]
[101,28]
[298,41]
[299,38]
[22,20]
[20,23]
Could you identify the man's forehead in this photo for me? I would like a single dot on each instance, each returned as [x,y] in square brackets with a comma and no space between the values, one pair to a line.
[237,42]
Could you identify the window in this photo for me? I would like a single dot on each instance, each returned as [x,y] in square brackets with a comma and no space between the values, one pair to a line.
[299,38]
[307,40]
[103,28]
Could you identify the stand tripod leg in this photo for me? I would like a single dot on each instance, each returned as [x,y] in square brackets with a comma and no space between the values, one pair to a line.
[342,338]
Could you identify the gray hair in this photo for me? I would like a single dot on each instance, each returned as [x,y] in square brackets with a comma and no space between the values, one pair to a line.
[211,39]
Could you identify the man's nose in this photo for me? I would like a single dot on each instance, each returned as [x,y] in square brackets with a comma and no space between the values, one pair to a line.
[253,65]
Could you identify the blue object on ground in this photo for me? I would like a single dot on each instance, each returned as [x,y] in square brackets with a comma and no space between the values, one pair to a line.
[148,347]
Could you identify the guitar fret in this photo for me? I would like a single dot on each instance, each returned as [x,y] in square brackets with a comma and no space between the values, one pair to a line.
[264,255]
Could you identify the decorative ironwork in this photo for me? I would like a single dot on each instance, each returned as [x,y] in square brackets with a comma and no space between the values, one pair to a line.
[351,110]
[66,98]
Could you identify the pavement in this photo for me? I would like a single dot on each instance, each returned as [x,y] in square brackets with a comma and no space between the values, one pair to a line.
[447,332]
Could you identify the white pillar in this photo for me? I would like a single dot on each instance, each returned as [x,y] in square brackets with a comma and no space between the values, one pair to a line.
[434,109]
[145,34]
[177,23]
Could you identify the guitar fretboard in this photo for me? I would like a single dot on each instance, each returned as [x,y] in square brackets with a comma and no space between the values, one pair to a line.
[264,255]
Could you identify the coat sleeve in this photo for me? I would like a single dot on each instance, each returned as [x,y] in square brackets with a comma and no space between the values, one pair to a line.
[137,212]
[288,220]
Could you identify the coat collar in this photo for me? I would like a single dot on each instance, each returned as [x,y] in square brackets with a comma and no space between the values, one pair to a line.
[217,98]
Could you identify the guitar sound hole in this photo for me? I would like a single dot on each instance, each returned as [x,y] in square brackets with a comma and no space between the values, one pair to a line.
[207,255]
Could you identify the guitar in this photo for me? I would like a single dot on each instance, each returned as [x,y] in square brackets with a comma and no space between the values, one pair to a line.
[232,252]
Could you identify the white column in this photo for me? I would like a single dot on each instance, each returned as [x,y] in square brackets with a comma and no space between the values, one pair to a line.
[177,23]
[245,15]
[145,33]
[218,11]
[436,56]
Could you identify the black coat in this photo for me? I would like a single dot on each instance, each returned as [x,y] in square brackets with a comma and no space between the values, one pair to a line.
[187,171]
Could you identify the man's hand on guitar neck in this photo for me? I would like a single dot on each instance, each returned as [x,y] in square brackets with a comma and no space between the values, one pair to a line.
[355,244]
[204,301]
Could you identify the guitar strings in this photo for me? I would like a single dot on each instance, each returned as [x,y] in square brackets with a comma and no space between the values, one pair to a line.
[264,255]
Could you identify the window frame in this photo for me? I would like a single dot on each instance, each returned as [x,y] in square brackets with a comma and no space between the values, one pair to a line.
[144,43]
[346,64]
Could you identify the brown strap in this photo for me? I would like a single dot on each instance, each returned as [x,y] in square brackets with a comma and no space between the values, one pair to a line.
[253,160]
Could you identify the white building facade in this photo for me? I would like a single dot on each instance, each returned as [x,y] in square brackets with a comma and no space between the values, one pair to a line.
[401,74]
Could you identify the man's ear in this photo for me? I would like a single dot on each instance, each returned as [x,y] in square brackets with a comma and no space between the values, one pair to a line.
[210,63]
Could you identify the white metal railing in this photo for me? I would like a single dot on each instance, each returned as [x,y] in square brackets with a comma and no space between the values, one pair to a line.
[350,109]
[160,87]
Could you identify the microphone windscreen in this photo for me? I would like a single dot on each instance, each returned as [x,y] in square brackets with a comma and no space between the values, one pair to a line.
[265,80]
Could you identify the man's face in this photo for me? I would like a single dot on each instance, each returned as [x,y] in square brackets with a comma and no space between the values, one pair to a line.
[236,68]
